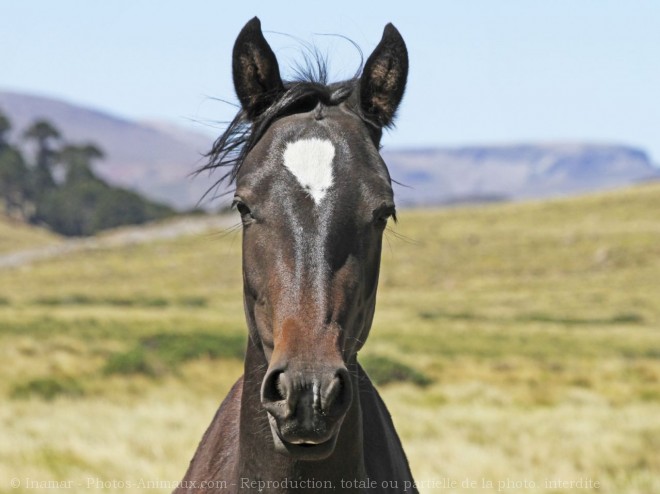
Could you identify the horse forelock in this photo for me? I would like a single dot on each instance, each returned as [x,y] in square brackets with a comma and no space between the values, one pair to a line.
[242,134]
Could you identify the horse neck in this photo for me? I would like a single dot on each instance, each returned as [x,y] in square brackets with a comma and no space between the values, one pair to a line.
[257,458]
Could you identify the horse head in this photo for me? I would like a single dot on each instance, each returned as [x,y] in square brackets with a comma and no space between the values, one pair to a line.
[314,196]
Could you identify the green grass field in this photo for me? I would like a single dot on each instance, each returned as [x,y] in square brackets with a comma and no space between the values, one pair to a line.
[517,347]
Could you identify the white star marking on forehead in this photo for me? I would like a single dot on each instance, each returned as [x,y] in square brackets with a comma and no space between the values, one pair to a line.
[310,161]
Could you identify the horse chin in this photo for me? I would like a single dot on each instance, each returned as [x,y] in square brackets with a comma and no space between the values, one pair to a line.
[308,451]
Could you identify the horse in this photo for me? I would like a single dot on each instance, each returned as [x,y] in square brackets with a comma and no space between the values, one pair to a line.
[314,197]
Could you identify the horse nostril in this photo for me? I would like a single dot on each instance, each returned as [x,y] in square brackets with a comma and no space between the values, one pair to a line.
[337,396]
[274,387]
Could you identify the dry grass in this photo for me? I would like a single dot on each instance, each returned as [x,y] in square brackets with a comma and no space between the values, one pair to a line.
[538,326]
[16,235]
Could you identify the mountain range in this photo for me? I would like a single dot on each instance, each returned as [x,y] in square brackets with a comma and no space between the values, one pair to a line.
[515,172]
[158,160]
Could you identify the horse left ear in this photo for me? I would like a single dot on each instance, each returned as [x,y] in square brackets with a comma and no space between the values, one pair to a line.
[383,79]
[257,79]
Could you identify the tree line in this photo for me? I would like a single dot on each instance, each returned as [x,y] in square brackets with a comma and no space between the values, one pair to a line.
[55,186]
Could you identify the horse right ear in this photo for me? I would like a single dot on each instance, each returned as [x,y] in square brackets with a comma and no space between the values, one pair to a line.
[256,73]
[383,79]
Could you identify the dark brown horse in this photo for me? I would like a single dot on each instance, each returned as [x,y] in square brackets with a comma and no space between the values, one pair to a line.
[314,197]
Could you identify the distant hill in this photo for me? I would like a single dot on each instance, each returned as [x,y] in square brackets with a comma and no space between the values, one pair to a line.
[156,159]
[495,173]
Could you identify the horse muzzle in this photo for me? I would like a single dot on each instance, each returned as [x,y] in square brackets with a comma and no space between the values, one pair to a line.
[306,409]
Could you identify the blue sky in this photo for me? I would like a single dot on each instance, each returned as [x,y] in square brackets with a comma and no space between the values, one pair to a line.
[482,71]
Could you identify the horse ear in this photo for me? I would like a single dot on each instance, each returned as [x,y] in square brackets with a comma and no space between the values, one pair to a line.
[383,79]
[256,73]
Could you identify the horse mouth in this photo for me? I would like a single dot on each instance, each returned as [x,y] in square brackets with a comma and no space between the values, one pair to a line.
[303,449]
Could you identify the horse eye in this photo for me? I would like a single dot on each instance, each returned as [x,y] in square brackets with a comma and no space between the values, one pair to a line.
[384,213]
[242,208]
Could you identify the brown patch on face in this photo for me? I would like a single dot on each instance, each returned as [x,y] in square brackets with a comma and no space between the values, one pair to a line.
[303,345]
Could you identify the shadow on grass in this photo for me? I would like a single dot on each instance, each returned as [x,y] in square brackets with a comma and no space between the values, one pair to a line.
[137,301]
[384,370]
[618,319]
[164,352]
[48,388]
[153,356]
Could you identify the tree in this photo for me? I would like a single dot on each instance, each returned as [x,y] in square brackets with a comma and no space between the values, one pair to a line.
[43,133]
[14,175]
[70,209]
[5,127]
[81,203]
[77,161]
[14,183]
